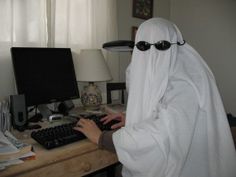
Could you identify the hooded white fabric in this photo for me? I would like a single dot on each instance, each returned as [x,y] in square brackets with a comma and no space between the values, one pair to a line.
[176,125]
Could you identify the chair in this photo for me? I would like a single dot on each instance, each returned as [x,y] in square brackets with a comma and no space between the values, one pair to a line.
[115,86]
[232,124]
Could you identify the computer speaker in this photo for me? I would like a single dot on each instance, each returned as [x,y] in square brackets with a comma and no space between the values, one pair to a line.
[18,112]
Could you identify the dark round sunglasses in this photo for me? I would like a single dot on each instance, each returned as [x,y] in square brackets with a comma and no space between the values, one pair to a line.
[160,45]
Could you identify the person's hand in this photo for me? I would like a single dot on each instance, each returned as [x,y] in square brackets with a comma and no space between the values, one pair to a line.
[89,129]
[117,116]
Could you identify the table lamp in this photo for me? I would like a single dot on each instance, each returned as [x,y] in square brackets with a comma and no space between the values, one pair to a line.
[119,46]
[91,67]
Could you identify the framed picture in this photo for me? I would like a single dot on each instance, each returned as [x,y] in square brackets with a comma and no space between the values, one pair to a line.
[133,32]
[142,8]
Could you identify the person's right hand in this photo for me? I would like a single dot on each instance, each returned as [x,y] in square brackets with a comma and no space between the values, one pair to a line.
[117,116]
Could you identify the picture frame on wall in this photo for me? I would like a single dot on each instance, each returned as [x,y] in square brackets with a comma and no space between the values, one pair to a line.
[143,9]
[133,32]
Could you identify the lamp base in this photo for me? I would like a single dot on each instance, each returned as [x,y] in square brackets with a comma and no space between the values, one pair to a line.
[91,97]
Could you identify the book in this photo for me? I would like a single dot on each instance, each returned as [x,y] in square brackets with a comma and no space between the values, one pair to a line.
[12,148]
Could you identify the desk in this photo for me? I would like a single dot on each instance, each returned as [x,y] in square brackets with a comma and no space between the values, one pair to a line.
[72,160]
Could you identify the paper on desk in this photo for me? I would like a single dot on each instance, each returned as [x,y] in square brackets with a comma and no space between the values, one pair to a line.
[5,116]
[4,164]
[18,144]
[6,147]
[29,154]
[10,145]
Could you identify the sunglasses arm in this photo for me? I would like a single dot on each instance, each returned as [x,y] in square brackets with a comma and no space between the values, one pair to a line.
[180,44]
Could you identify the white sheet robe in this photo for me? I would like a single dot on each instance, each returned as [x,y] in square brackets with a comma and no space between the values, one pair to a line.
[176,125]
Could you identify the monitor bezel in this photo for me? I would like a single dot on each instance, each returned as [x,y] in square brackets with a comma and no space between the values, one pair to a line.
[76,94]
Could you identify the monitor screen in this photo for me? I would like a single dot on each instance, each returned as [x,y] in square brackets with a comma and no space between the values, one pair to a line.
[44,75]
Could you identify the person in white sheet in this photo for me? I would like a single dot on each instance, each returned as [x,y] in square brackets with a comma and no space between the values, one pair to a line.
[175,123]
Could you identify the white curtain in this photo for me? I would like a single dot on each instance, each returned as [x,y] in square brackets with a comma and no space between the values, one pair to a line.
[81,24]
[84,23]
[55,23]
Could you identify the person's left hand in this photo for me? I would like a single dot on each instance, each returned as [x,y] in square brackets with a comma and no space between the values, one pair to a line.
[89,129]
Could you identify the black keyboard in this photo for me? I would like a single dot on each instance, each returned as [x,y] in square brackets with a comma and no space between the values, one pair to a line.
[65,134]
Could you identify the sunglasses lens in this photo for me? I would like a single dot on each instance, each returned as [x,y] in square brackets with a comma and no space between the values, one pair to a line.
[163,45]
[143,46]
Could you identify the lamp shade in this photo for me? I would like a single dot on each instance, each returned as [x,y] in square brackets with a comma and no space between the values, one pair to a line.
[91,66]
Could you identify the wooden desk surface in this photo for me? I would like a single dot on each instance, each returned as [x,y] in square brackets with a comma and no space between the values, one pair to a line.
[75,159]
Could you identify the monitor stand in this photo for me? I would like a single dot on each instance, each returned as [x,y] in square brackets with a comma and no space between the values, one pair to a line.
[44,110]
[47,113]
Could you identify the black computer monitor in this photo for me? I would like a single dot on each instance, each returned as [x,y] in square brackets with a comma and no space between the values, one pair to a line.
[44,75]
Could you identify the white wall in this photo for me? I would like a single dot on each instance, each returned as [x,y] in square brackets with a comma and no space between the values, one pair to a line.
[126,21]
[210,27]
